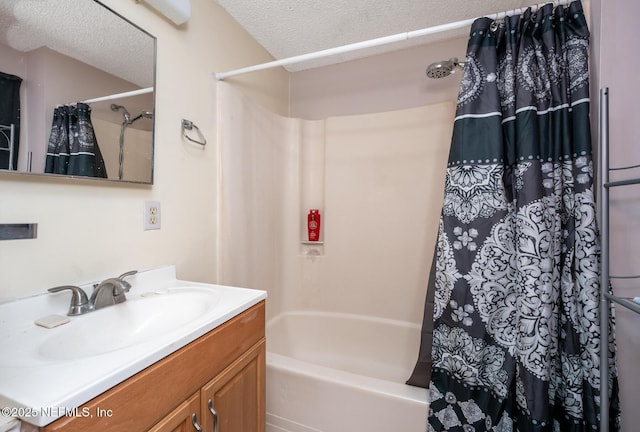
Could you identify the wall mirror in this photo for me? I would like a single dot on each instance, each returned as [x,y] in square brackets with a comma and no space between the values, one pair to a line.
[77,87]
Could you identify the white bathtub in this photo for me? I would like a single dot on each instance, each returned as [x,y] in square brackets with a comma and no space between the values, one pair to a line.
[332,372]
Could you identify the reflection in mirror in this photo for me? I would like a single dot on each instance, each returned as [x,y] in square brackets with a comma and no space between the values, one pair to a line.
[76,91]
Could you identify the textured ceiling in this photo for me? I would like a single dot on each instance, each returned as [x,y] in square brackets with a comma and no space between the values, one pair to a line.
[81,29]
[287,28]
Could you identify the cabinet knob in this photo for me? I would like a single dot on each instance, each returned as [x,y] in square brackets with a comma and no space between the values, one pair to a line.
[215,415]
[194,420]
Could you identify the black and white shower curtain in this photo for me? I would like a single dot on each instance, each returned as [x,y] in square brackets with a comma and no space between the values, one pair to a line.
[73,147]
[516,335]
[10,115]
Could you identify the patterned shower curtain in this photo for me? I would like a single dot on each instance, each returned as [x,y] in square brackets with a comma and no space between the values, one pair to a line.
[73,147]
[516,337]
[10,115]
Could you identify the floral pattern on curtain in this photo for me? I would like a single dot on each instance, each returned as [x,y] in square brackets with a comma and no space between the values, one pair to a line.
[516,335]
[73,147]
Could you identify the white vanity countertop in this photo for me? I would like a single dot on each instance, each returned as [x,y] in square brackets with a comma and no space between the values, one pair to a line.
[45,374]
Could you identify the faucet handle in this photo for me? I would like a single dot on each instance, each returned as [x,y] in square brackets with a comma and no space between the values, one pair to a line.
[79,301]
[129,273]
[126,285]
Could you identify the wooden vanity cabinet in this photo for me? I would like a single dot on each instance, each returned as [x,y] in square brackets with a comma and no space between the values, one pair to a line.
[235,395]
[226,366]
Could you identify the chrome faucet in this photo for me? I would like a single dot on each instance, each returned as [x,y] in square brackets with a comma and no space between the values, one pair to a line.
[107,293]
[110,291]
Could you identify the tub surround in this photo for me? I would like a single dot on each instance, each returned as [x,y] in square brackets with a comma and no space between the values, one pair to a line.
[43,384]
[331,371]
[371,262]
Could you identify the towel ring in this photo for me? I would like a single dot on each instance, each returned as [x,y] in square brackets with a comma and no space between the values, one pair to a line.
[188,125]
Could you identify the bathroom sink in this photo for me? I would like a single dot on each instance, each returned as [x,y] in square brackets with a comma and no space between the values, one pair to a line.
[153,315]
[57,369]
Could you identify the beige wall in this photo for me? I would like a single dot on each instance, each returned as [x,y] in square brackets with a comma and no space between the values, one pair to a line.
[90,230]
[385,82]
[618,68]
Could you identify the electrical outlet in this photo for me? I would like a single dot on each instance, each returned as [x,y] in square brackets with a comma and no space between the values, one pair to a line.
[151,215]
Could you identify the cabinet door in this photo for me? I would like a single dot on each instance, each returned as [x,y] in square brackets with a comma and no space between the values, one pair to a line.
[182,418]
[237,395]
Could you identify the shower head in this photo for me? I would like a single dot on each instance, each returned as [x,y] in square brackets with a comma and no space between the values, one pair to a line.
[115,107]
[143,114]
[444,68]
[127,117]
[125,113]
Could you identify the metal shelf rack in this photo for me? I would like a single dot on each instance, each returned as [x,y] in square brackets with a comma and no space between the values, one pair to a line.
[8,136]
[607,298]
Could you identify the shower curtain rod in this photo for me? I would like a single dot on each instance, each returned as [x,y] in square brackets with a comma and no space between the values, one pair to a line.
[119,95]
[220,76]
